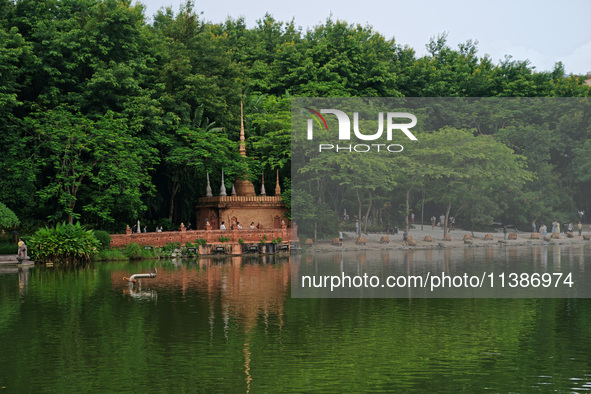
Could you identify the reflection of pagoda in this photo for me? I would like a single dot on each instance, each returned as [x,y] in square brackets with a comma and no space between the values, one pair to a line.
[242,205]
[236,291]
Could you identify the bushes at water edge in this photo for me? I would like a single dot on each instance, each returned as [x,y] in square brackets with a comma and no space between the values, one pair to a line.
[104,238]
[111,254]
[134,251]
[66,243]
[8,249]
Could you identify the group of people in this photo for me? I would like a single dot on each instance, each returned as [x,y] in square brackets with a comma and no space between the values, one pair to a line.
[567,228]
[136,229]
[452,222]
[238,226]
[391,230]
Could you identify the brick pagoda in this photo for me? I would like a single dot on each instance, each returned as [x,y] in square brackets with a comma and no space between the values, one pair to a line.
[242,205]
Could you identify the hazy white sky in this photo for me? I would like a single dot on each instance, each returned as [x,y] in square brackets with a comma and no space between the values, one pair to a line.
[542,31]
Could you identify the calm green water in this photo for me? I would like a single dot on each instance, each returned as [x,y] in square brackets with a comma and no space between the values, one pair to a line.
[232,326]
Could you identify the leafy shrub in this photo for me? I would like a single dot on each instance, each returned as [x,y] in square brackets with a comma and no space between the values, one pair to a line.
[170,247]
[7,217]
[148,253]
[190,253]
[133,251]
[104,238]
[201,242]
[114,254]
[186,251]
[8,249]
[224,239]
[66,243]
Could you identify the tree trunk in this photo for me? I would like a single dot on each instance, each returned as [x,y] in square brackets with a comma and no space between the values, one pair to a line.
[315,230]
[367,214]
[72,205]
[446,219]
[422,208]
[407,211]
[175,188]
[358,210]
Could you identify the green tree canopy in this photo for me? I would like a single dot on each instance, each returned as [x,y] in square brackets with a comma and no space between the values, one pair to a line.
[7,218]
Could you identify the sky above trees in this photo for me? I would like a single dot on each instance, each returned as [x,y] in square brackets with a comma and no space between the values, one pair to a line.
[543,32]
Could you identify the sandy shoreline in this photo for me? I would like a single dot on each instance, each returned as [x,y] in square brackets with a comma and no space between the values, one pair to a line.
[457,240]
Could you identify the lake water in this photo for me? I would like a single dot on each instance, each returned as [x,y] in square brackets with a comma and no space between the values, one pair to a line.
[231,325]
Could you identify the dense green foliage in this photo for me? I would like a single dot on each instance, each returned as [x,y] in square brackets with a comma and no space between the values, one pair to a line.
[111,254]
[7,218]
[65,243]
[104,239]
[133,251]
[8,248]
[106,119]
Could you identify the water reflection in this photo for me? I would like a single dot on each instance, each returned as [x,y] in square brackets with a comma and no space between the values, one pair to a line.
[246,289]
[242,282]
[229,325]
[490,265]
[22,273]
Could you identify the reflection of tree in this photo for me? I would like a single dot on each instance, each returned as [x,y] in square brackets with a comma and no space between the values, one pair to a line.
[80,321]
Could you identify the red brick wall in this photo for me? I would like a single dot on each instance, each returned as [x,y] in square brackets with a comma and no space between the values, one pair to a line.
[258,209]
[212,236]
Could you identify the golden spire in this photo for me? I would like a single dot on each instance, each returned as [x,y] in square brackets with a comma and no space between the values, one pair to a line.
[242,143]
[243,187]
[277,187]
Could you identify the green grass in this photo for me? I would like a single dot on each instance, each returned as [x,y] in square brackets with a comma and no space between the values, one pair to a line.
[111,255]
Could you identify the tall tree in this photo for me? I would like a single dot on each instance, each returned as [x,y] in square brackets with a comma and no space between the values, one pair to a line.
[99,163]
[469,168]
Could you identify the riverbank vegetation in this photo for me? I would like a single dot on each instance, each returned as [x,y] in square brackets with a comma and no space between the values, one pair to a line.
[65,243]
[69,243]
[106,118]
[133,251]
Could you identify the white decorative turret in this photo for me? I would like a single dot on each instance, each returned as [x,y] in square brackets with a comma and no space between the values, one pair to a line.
[233,190]
[208,192]
[263,186]
[223,187]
